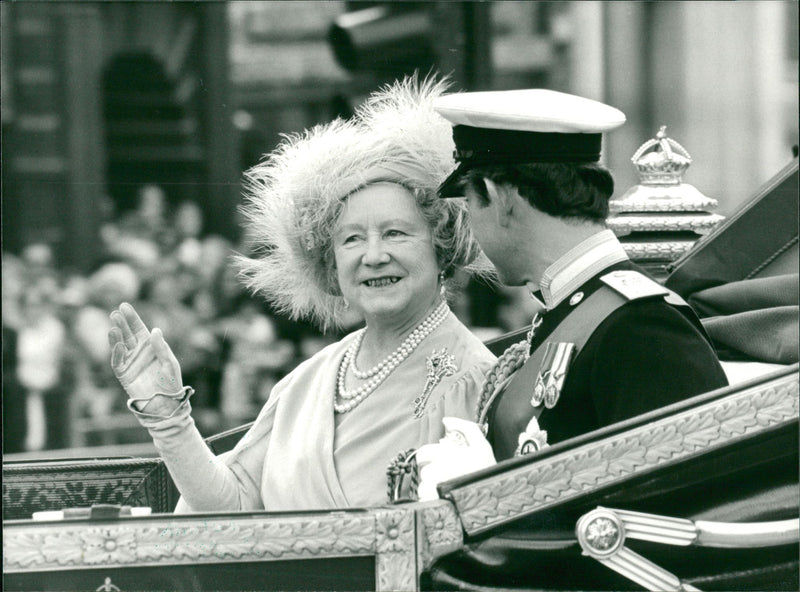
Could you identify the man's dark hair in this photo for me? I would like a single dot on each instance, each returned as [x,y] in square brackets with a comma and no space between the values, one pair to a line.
[563,190]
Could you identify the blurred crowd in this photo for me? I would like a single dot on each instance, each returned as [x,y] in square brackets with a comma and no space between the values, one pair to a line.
[58,388]
[56,373]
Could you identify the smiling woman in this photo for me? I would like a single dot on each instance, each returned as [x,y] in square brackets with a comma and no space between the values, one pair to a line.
[345,219]
[386,263]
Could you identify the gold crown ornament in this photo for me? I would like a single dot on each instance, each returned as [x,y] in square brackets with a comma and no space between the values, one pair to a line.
[661,163]
[661,160]
[662,217]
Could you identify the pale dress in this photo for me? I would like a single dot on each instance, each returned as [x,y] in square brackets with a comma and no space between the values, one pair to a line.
[300,455]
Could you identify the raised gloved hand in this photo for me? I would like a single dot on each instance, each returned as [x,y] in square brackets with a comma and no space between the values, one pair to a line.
[145,365]
[462,450]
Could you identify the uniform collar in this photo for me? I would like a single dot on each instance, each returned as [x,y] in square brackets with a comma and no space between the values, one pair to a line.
[578,265]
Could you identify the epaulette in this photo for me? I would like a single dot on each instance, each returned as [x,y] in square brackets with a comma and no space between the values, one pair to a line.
[633,285]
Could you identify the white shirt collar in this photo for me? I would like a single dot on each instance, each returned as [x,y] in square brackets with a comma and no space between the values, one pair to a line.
[578,265]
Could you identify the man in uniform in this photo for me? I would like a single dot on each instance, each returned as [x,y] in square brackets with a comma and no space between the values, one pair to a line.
[609,343]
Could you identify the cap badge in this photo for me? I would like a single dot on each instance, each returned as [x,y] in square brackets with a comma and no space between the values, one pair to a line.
[552,373]
[576,298]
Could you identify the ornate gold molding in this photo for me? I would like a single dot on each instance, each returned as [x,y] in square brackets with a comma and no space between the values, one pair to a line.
[388,534]
[396,561]
[499,499]
[438,531]
[697,223]
[47,546]
[653,250]
[400,538]
[662,198]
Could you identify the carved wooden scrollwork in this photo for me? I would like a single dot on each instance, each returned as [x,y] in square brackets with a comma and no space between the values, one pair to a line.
[185,541]
[698,223]
[666,250]
[396,552]
[387,534]
[439,531]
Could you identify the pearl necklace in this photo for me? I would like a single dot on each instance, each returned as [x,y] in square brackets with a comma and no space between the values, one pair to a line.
[379,373]
[409,342]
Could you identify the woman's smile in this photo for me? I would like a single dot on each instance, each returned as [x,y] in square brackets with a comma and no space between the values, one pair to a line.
[381,282]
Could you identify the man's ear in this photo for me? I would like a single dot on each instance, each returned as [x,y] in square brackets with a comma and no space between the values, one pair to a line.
[504,206]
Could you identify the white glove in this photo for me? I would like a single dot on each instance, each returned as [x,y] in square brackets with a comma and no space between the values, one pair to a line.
[143,362]
[462,450]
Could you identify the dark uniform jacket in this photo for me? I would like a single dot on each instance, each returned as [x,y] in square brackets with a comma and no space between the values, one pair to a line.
[634,355]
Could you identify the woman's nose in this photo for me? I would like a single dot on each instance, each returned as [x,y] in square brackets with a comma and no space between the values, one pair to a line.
[375,253]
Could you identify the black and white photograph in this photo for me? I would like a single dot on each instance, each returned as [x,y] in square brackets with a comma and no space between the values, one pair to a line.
[320,295]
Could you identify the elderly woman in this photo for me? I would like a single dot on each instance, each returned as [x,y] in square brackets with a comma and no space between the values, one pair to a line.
[346,222]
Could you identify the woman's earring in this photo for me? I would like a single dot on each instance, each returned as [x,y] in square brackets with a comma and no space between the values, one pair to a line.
[442,289]
[346,304]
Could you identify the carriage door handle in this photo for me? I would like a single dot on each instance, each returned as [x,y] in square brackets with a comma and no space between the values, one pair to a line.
[602,533]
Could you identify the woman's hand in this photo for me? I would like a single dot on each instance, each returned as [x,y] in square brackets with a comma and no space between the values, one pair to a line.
[462,450]
[143,362]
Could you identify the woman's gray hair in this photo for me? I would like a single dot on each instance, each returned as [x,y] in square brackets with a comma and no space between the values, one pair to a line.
[294,197]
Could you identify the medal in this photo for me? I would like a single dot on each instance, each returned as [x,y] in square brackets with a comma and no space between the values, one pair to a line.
[552,373]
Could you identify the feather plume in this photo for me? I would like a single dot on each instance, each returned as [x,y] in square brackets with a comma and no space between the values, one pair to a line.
[293,197]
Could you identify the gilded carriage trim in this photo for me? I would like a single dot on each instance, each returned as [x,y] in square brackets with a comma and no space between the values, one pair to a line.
[661,199]
[210,539]
[502,498]
[396,561]
[653,250]
[438,531]
[388,534]
[700,223]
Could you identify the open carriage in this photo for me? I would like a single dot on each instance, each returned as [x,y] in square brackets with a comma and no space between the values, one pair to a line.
[699,495]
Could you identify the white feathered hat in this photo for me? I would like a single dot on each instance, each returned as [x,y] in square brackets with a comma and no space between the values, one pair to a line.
[295,195]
